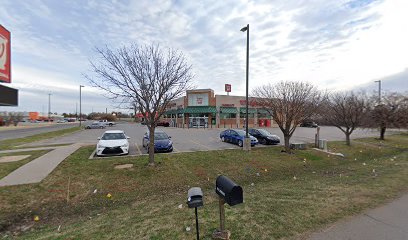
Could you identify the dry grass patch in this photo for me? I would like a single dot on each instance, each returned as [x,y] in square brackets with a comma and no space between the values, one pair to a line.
[286,196]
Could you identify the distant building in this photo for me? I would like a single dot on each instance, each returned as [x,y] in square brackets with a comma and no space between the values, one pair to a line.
[201,108]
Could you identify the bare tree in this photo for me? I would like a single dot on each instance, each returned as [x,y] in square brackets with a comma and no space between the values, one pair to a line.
[289,103]
[391,111]
[346,111]
[146,75]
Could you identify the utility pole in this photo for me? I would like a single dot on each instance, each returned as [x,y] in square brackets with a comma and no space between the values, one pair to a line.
[379,91]
[49,106]
[80,102]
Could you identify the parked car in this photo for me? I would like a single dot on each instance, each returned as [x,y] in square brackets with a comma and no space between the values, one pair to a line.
[163,123]
[309,124]
[95,125]
[62,121]
[113,142]
[264,137]
[236,136]
[162,141]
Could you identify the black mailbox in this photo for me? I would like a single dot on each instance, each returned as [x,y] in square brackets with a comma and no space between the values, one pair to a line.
[195,197]
[228,190]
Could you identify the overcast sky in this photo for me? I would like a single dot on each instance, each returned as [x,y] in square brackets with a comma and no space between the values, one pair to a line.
[334,44]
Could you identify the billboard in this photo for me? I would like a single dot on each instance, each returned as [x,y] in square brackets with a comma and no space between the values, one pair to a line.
[8,96]
[5,63]
[227,87]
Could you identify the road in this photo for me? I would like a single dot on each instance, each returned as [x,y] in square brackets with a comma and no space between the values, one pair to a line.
[26,131]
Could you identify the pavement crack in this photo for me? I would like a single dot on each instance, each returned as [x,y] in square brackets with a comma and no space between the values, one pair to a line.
[385,223]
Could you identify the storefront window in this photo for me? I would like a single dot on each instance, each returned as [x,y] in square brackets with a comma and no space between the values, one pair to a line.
[228,115]
[243,115]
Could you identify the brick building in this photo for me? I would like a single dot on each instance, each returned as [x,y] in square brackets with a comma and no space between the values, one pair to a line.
[201,108]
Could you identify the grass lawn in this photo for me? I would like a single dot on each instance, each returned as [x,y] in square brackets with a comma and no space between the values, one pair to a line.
[286,196]
[14,143]
[6,168]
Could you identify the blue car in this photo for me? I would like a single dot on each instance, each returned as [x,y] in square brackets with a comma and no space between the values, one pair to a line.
[236,136]
[162,142]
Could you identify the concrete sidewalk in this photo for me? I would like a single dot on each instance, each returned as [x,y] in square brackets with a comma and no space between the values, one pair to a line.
[38,169]
[389,222]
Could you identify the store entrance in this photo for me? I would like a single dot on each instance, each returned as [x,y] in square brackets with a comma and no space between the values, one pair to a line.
[198,122]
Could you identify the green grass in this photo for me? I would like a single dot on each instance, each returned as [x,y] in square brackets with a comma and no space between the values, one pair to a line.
[15,143]
[292,196]
[6,168]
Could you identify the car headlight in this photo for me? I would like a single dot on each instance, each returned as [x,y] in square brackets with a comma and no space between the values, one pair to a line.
[170,143]
[101,146]
[125,145]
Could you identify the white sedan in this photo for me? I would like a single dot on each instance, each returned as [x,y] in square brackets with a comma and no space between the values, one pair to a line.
[113,142]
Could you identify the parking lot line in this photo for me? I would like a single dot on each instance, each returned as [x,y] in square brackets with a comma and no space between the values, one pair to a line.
[138,149]
[200,144]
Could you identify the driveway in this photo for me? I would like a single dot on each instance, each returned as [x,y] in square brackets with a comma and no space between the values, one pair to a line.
[195,139]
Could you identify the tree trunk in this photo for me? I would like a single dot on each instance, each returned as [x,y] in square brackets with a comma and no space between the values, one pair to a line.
[348,139]
[382,132]
[151,146]
[287,145]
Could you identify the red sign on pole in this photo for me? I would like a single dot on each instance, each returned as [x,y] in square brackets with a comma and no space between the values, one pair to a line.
[5,63]
[227,87]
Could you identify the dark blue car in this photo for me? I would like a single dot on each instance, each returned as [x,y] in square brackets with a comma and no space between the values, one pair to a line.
[162,142]
[236,136]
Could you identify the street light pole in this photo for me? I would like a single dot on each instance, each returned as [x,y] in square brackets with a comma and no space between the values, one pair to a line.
[49,106]
[247,142]
[80,105]
[379,91]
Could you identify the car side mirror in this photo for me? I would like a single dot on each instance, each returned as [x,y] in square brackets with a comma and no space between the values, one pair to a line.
[99,138]
[127,137]
[169,137]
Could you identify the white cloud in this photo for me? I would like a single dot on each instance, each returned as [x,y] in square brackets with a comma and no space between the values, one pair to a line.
[334,44]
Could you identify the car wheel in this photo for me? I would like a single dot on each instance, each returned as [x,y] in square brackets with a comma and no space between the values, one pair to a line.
[263,141]
[223,139]
[110,124]
[87,127]
[240,143]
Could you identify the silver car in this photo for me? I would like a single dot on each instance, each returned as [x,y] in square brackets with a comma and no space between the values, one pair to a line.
[95,125]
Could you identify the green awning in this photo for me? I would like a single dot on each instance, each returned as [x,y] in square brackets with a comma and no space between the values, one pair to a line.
[228,110]
[206,109]
[172,111]
[263,111]
[180,110]
[250,110]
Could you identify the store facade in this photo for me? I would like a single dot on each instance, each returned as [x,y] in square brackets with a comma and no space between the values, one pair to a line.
[201,108]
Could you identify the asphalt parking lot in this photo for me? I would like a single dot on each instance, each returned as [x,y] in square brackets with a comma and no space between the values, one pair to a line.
[188,140]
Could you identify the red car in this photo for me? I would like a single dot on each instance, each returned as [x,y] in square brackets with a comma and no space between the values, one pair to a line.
[163,123]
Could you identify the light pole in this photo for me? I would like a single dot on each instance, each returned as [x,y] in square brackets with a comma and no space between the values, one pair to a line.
[80,102]
[379,91]
[49,106]
[247,142]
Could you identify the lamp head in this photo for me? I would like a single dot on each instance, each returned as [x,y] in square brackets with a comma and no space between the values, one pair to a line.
[244,29]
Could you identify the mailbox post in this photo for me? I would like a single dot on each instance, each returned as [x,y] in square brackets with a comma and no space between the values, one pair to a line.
[230,193]
[194,200]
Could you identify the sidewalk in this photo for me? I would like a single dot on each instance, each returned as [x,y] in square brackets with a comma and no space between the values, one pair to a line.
[389,222]
[38,169]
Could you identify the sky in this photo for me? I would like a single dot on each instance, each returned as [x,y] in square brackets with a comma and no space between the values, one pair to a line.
[334,44]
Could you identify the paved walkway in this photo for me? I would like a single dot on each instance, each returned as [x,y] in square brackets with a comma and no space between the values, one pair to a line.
[389,222]
[38,169]
[27,149]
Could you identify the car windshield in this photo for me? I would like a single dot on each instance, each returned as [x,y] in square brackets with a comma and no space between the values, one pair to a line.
[113,136]
[240,132]
[264,132]
[160,136]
